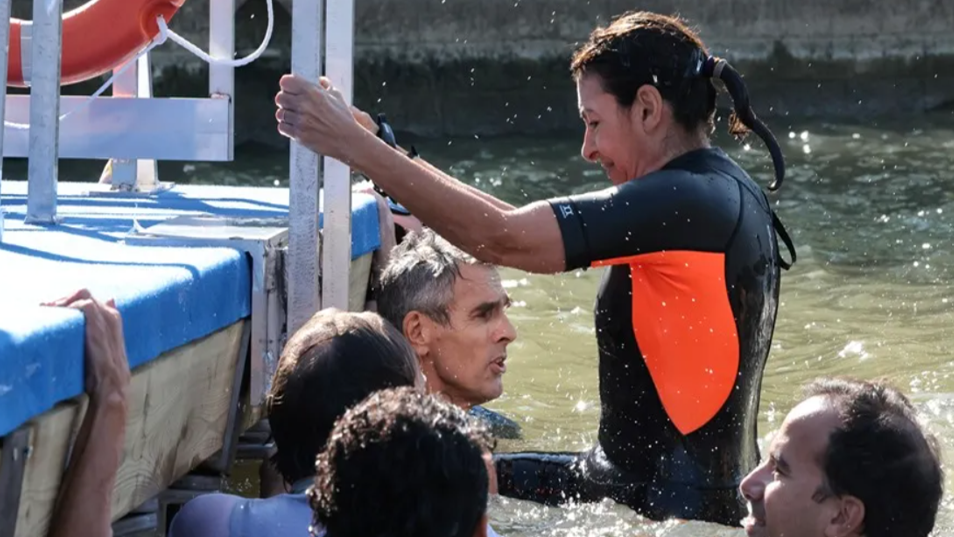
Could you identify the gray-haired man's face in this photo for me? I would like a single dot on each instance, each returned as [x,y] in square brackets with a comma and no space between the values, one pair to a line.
[466,359]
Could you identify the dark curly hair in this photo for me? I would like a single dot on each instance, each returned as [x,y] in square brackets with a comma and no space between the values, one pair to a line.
[402,464]
[880,455]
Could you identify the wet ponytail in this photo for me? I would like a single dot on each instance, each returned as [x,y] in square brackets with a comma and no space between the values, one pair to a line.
[743,118]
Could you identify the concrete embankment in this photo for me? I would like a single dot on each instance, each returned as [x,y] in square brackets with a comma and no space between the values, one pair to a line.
[462,67]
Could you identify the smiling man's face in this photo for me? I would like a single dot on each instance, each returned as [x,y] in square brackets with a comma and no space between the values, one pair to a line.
[785,492]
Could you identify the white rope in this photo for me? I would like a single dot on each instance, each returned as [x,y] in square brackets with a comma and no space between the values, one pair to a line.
[184,43]
[165,34]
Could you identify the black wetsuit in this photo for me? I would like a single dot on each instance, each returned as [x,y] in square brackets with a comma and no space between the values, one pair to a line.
[684,322]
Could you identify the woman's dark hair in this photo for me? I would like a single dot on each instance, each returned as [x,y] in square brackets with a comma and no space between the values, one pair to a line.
[329,365]
[402,464]
[640,48]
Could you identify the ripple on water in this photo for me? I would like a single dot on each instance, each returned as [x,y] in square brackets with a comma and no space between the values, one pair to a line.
[516,518]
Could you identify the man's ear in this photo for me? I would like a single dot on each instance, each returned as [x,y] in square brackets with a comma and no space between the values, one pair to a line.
[849,519]
[416,329]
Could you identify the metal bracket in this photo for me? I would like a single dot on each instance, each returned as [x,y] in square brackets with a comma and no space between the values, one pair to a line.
[221,462]
[134,175]
[44,113]
[4,38]
[127,192]
[135,524]
[192,129]
[16,451]
[256,443]
[262,240]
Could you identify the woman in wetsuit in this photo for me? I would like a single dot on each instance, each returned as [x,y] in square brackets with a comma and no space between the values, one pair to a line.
[687,304]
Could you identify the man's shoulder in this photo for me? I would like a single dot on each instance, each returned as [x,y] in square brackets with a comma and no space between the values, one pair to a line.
[205,515]
[228,515]
[284,515]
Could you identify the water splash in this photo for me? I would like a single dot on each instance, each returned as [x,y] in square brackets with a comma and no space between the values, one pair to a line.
[854,348]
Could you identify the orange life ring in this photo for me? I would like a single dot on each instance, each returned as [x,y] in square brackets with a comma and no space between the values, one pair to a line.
[97,37]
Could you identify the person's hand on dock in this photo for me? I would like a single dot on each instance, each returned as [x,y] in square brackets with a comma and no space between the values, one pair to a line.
[107,368]
[85,499]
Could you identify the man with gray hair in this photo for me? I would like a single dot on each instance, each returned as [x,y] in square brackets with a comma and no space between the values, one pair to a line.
[452,309]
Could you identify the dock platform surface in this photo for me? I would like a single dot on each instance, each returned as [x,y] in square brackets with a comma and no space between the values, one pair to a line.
[168,295]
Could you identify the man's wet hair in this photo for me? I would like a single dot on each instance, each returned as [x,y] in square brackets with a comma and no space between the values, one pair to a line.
[330,364]
[402,464]
[639,48]
[881,455]
[420,276]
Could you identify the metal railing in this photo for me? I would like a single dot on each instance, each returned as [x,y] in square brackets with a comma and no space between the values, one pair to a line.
[134,129]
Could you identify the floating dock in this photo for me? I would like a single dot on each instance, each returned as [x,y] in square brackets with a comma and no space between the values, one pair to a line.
[210,280]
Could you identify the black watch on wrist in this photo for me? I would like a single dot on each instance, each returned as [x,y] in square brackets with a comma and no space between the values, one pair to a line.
[386,133]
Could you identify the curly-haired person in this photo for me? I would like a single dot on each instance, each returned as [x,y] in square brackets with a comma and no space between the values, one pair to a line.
[415,461]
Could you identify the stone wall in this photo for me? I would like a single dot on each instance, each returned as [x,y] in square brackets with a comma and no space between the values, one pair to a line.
[463,67]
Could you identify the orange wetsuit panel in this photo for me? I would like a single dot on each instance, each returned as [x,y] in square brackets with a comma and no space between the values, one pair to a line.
[685,330]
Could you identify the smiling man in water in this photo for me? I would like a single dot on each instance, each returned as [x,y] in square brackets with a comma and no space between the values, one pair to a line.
[851,460]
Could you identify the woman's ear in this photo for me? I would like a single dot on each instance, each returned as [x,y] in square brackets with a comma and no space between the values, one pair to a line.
[648,108]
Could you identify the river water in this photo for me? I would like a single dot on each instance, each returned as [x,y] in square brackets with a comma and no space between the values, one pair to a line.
[871,210]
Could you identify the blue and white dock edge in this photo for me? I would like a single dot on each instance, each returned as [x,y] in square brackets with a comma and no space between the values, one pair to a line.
[210,280]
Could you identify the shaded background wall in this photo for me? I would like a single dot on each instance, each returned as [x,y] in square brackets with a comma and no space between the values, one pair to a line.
[490,67]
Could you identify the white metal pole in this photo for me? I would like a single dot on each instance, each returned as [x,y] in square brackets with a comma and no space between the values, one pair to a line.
[44,111]
[135,174]
[304,185]
[5,40]
[222,45]
[336,250]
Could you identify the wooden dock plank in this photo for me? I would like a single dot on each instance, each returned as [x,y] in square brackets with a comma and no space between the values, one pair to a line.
[178,409]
